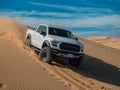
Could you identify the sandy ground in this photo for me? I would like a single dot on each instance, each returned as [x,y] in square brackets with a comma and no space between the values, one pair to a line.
[103,62]
[20,68]
[18,72]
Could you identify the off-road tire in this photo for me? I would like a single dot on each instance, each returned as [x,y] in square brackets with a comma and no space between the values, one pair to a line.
[45,55]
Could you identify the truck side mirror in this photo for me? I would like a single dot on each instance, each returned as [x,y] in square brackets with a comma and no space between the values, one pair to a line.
[43,33]
[76,38]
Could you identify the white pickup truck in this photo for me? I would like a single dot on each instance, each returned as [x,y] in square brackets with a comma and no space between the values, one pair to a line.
[53,41]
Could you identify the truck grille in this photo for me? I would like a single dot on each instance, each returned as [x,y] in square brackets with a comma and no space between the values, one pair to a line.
[69,47]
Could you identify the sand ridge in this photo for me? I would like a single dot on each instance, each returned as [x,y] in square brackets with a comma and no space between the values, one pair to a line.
[15,32]
[107,41]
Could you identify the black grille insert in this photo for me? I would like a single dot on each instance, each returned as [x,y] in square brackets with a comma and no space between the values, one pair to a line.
[69,47]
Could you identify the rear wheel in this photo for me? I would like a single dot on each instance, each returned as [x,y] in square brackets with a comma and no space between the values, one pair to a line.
[75,62]
[28,42]
[45,55]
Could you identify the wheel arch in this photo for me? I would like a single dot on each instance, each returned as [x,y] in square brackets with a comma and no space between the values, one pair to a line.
[46,44]
[28,36]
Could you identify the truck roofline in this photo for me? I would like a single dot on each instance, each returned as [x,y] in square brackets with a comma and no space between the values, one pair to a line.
[47,25]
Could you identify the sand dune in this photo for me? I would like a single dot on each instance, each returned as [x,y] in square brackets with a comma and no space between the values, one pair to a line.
[13,35]
[18,72]
[11,29]
[20,68]
[107,41]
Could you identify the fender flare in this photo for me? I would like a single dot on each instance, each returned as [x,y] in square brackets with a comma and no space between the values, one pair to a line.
[28,36]
[46,43]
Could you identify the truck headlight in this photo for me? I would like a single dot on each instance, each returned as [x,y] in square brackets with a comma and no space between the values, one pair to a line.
[55,43]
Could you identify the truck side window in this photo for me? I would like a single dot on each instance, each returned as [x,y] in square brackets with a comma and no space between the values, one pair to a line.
[42,29]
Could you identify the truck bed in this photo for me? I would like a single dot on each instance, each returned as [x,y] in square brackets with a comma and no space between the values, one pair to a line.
[29,27]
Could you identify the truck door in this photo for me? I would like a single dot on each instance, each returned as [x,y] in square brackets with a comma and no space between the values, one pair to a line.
[39,36]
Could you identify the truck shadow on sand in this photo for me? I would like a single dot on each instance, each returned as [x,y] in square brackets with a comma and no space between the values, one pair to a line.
[94,68]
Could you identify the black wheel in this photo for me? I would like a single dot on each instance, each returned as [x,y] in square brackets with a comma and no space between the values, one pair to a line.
[28,42]
[75,62]
[45,55]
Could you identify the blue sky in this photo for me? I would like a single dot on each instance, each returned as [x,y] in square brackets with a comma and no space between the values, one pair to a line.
[85,18]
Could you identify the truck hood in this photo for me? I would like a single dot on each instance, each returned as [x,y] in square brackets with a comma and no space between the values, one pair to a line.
[66,40]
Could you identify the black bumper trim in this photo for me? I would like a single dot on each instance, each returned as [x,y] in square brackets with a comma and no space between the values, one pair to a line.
[55,51]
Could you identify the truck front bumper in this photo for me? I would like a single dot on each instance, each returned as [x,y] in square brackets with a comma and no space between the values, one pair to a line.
[66,54]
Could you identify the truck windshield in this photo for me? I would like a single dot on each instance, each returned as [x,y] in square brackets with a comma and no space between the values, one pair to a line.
[60,32]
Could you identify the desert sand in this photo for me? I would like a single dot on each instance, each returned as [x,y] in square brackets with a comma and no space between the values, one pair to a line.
[107,41]
[20,68]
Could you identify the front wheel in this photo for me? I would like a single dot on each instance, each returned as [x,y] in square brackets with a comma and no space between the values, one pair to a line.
[45,55]
[75,62]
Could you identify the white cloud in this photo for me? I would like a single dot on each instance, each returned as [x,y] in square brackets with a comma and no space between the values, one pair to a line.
[57,14]
[113,21]
[74,8]
[53,6]
[100,21]
[16,13]
[33,12]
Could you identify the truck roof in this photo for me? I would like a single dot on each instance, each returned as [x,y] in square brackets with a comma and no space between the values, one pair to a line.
[48,25]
